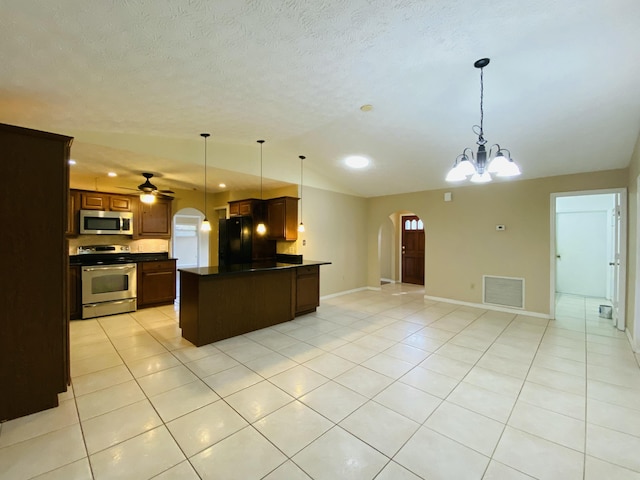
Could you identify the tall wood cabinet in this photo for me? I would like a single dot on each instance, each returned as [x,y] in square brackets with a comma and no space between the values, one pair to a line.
[34,320]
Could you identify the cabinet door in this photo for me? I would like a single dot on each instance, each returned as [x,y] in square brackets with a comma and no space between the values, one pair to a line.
[245,208]
[234,208]
[156,283]
[282,218]
[94,201]
[120,203]
[75,293]
[307,289]
[154,220]
[73,217]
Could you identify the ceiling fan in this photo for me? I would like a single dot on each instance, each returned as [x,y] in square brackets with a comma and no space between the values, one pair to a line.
[148,188]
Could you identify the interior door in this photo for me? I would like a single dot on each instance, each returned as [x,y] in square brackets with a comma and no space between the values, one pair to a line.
[412,250]
[618,321]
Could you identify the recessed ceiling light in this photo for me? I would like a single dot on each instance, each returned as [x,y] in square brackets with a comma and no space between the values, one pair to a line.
[72,162]
[356,161]
[112,174]
[222,185]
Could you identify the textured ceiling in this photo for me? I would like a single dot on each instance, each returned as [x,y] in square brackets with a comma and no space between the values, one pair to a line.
[135,82]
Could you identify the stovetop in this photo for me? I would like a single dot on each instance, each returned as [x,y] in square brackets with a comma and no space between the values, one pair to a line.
[112,254]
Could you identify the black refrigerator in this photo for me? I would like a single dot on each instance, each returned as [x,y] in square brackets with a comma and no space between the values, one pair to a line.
[234,240]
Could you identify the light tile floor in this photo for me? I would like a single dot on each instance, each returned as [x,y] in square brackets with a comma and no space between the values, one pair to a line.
[383,385]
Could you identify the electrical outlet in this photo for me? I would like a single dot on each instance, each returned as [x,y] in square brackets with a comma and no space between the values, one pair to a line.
[304,242]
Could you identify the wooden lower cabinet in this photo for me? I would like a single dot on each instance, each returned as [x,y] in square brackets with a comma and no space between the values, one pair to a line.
[75,292]
[156,283]
[307,289]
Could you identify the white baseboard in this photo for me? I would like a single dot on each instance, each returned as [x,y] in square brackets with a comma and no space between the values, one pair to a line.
[388,280]
[346,292]
[489,307]
[634,347]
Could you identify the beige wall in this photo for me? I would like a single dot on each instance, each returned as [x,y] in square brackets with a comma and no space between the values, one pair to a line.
[335,231]
[632,258]
[462,243]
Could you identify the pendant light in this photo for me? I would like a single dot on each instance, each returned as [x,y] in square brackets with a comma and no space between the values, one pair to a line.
[301,226]
[480,166]
[205,226]
[261,229]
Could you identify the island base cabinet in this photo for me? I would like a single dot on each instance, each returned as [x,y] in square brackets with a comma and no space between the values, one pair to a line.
[307,289]
[213,308]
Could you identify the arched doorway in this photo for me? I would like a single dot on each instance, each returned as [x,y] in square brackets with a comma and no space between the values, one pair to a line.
[401,249]
[190,245]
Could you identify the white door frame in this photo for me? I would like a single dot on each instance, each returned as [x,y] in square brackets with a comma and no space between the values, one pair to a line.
[636,330]
[622,273]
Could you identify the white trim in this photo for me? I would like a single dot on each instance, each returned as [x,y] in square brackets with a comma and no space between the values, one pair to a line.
[486,306]
[388,280]
[636,313]
[634,347]
[346,292]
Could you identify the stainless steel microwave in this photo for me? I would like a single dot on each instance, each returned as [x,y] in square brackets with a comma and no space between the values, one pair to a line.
[98,222]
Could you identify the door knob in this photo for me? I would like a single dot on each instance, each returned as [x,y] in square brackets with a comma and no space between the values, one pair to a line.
[557,256]
[611,264]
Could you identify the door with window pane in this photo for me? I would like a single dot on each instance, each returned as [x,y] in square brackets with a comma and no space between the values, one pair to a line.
[412,250]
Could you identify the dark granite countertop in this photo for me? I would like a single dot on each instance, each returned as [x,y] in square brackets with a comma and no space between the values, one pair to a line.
[248,267]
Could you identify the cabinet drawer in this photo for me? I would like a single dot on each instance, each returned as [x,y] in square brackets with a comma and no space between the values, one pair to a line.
[310,270]
[156,266]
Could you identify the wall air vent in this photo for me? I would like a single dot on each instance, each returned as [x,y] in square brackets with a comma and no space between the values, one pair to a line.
[503,291]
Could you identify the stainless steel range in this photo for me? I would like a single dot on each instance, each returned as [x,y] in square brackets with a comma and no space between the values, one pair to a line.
[108,280]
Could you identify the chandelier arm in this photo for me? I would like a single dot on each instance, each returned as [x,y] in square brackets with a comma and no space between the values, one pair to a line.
[471,157]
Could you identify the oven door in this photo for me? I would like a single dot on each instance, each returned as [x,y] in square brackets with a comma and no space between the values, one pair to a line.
[106,283]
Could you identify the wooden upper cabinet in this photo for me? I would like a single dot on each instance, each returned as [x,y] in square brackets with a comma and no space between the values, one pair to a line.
[250,207]
[154,220]
[282,218]
[106,201]
[94,201]
[120,203]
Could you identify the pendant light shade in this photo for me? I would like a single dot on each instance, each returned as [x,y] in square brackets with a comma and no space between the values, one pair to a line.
[261,229]
[479,168]
[301,226]
[205,226]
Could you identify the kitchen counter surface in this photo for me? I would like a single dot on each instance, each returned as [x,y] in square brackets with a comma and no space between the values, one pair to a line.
[248,267]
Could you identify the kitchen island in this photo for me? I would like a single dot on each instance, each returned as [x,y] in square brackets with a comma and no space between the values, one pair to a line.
[225,301]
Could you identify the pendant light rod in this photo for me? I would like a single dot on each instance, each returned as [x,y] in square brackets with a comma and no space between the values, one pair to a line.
[301,226]
[261,142]
[206,226]
[261,228]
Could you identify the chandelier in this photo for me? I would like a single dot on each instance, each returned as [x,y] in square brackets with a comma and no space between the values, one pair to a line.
[481,165]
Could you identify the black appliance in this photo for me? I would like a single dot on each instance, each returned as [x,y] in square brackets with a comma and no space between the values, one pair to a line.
[234,240]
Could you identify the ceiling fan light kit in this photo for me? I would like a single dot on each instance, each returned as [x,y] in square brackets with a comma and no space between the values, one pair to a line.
[147,188]
[479,167]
